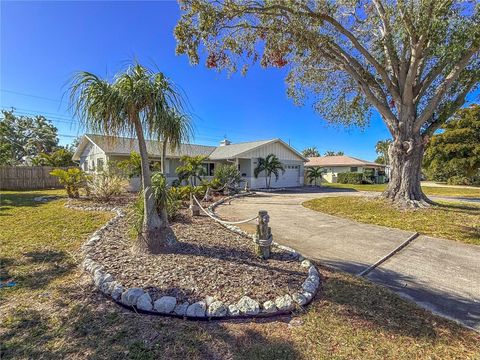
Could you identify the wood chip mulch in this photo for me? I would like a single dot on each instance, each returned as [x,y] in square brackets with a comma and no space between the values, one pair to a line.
[209,260]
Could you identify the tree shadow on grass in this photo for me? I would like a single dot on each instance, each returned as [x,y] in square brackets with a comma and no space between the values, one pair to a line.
[38,269]
[90,327]
[394,313]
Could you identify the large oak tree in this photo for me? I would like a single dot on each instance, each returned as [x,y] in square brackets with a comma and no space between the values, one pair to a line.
[412,61]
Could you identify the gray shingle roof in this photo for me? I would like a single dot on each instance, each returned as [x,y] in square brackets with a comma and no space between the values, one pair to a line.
[233,150]
[124,146]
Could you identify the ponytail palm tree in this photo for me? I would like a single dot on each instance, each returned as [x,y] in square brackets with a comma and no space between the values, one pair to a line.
[132,103]
[174,128]
[270,165]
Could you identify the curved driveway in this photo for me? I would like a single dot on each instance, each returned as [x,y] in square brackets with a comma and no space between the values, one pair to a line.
[440,275]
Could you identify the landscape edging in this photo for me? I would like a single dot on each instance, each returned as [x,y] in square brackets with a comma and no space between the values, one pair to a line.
[128,297]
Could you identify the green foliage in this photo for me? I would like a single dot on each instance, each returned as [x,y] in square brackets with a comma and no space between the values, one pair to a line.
[183,192]
[59,158]
[311,152]
[350,178]
[105,184]
[333,153]
[25,137]
[173,129]
[191,169]
[381,148]
[132,167]
[269,165]
[73,179]
[226,175]
[454,155]
[314,174]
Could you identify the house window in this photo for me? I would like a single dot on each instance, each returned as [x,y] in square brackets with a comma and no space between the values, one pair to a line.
[354,169]
[100,164]
[209,168]
[92,166]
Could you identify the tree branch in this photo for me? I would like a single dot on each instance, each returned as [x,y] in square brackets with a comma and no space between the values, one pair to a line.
[445,85]
[449,108]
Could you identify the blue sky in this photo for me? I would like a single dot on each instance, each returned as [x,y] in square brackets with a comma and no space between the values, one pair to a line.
[44,43]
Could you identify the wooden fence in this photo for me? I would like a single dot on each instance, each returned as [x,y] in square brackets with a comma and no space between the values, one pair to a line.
[27,178]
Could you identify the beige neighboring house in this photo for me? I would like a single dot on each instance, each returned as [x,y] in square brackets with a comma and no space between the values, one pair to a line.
[333,165]
[95,151]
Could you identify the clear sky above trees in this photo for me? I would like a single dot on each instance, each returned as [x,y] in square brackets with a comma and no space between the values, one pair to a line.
[39,56]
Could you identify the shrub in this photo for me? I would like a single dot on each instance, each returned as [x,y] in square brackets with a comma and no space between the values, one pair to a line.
[183,192]
[350,178]
[72,179]
[227,175]
[463,180]
[170,198]
[105,184]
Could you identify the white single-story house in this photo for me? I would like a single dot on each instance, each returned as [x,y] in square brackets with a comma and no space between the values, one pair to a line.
[95,151]
[333,165]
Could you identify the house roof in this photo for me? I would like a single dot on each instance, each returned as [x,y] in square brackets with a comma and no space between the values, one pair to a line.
[340,160]
[112,145]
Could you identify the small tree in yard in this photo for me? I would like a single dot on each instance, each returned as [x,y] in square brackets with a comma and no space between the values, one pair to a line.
[315,173]
[412,61]
[269,165]
[191,169]
[132,103]
[72,179]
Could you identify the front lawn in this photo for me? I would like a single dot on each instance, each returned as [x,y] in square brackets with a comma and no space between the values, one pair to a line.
[54,313]
[428,190]
[454,221]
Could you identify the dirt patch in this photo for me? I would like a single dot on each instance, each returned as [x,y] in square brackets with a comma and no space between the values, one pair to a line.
[208,260]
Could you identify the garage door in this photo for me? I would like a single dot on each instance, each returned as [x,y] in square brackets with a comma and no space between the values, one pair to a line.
[290,178]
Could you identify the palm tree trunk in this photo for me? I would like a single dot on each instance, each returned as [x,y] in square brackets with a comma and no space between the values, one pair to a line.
[164,156]
[156,233]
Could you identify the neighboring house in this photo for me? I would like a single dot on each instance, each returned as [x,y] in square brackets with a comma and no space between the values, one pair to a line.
[95,151]
[333,165]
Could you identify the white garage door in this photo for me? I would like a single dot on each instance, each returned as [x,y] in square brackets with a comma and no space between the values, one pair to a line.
[290,178]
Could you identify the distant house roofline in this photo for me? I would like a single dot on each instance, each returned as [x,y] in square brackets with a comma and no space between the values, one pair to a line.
[339,161]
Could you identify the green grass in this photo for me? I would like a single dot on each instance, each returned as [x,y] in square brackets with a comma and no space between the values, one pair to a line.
[428,190]
[454,221]
[54,312]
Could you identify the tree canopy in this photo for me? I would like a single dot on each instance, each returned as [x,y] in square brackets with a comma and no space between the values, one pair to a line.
[311,152]
[25,137]
[454,154]
[412,61]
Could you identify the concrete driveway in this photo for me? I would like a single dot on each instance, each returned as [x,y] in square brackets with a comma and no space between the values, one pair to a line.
[439,275]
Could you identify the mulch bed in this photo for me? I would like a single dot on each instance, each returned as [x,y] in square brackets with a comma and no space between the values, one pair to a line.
[208,260]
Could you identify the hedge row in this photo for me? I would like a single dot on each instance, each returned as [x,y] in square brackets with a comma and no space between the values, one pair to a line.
[350,178]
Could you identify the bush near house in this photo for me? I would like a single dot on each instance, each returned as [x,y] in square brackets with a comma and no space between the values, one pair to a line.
[73,179]
[350,178]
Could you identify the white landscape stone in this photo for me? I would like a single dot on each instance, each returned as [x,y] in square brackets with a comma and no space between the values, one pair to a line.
[309,286]
[144,302]
[284,303]
[300,299]
[197,309]
[181,309]
[165,304]
[312,270]
[269,307]
[306,263]
[131,296]
[248,306]
[217,309]
[117,292]
[233,310]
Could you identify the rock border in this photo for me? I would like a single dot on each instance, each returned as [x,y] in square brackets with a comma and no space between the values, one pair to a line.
[139,300]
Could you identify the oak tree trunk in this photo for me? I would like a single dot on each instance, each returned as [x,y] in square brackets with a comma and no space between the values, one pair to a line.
[156,233]
[404,188]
